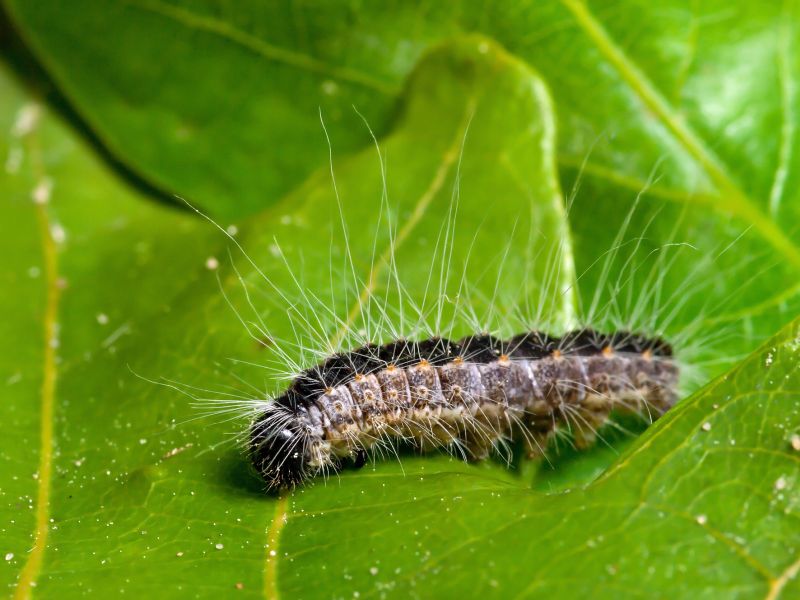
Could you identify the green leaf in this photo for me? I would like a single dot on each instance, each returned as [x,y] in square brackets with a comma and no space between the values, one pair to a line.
[136,494]
[700,101]
[245,84]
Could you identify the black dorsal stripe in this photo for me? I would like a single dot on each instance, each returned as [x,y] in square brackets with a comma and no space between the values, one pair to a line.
[532,345]
[397,352]
[436,350]
[627,341]
[366,359]
[481,348]
[582,342]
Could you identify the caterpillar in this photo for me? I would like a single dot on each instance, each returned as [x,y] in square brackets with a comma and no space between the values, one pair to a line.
[471,393]
[438,361]
[429,383]
[464,383]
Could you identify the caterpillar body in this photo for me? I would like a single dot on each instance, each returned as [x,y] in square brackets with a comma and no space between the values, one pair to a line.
[470,394]
[371,387]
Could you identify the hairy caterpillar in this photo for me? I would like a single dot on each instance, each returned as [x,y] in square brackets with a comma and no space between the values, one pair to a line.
[465,384]
[454,362]
[470,392]
[367,393]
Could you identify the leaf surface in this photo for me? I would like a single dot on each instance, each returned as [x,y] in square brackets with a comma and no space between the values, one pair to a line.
[138,495]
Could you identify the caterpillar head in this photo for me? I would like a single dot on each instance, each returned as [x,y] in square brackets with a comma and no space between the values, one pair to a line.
[280,446]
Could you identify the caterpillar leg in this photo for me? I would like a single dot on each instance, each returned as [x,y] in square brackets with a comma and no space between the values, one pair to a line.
[538,433]
[585,423]
[360,458]
[477,447]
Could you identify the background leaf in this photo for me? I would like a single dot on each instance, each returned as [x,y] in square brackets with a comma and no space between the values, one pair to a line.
[666,86]
[703,97]
[142,496]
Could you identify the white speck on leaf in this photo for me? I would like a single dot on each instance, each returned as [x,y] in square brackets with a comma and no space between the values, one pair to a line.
[176,451]
[706,426]
[58,233]
[794,345]
[212,263]
[41,193]
[701,519]
[27,119]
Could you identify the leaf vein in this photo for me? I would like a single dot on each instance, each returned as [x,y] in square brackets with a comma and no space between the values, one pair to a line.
[731,199]
[268,51]
[33,564]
